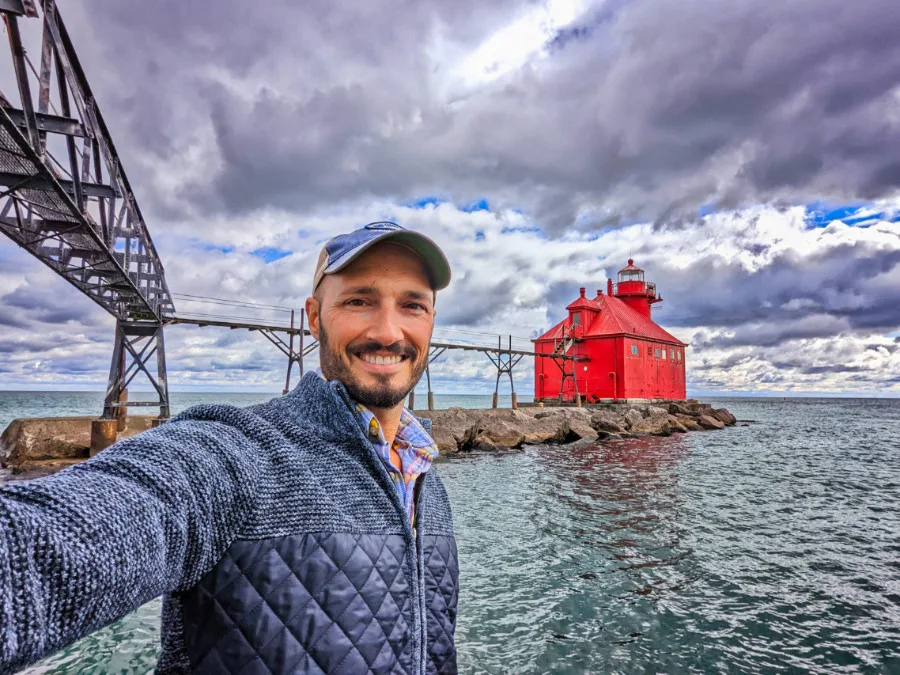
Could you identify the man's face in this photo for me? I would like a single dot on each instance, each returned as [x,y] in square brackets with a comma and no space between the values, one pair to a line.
[373,321]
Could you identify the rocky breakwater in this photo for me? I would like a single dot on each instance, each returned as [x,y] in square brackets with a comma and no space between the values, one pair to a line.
[459,429]
[32,447]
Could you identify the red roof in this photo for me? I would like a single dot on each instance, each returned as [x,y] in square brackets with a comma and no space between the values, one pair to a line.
[615,318]
[630,267]
[583,303]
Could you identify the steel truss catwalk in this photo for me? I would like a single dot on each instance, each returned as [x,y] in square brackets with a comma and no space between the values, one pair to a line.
[75,212]
[64,196]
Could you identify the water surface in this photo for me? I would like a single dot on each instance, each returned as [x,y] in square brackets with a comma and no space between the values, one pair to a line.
[769,546]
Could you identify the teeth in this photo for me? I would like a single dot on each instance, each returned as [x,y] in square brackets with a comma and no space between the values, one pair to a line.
[381,360]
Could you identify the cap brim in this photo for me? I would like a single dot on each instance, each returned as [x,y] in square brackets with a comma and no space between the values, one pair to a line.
[427,250]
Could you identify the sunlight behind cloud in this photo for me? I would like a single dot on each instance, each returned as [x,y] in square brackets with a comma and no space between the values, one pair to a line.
[513,46]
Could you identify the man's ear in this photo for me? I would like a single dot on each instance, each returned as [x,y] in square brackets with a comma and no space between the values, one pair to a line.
[312,316]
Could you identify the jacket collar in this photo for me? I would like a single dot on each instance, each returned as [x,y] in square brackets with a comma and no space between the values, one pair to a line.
[324,404]
[327,405]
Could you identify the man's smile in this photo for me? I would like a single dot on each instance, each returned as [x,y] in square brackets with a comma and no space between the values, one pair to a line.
[383,364]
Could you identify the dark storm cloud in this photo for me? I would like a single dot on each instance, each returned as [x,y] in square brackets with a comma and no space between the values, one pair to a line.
[807,369]
[12,318]
[793,297]
[34,345]
[649,110]
[52,302]
[472,304]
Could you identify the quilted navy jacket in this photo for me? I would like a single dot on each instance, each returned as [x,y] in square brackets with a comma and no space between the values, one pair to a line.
[274,533]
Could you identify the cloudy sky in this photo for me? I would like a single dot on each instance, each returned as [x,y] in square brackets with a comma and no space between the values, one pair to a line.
[744,153]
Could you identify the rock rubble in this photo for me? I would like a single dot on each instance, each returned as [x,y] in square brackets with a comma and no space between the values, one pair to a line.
[460,429]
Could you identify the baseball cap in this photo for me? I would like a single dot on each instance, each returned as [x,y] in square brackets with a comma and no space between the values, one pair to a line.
[343,249]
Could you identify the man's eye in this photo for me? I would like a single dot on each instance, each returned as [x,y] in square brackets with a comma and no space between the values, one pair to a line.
[355,302]
[418,306]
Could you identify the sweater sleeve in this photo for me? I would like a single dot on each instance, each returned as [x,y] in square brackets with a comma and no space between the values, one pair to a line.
[149,515]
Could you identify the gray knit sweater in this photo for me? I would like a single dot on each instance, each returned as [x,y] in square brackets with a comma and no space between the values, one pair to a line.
[274,533]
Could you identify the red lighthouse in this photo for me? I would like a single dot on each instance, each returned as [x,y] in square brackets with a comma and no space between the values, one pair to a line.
[620,352]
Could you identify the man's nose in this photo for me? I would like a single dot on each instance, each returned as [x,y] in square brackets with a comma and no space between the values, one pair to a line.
[386,329]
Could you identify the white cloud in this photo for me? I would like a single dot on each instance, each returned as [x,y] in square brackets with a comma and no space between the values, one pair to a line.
[510,278]
[250,130]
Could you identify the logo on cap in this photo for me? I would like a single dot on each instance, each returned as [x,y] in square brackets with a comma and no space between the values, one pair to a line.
[383,225]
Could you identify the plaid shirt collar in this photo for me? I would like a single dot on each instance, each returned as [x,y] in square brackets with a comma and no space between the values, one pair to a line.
[414,445]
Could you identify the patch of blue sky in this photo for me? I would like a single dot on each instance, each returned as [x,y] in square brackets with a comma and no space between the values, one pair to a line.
[706,209]
[433,201]
[269,254]
[857,214]
[479,235]
[480,205]
[424,202]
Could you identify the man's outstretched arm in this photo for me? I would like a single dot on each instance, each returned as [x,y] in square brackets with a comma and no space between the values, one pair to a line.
[149,515]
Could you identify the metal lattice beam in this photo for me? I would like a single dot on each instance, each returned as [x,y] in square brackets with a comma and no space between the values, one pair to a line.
[64,196]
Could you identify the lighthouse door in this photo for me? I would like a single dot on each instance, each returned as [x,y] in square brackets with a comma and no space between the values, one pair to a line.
[568,390]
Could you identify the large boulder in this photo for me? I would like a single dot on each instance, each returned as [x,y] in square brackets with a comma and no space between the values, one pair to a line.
[448,427]
[689,422]
[495,432]
[708,422]
[676,426]
[577,429]
[651,420]
[633,418]
[560,425]
[724,416]
[680,409]
[607,420]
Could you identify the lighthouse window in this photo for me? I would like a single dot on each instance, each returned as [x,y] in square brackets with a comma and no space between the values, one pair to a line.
[656,352]
[649,351]
[634,350]
[664,353]
[576,319]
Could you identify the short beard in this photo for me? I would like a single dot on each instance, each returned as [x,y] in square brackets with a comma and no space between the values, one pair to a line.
[382,395]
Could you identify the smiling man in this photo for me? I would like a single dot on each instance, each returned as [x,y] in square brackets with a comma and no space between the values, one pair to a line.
[306,534]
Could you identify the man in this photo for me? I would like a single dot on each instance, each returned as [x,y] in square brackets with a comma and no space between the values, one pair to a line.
[306,534]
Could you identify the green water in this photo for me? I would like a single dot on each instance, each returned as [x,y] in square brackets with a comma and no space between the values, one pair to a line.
[762,548]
